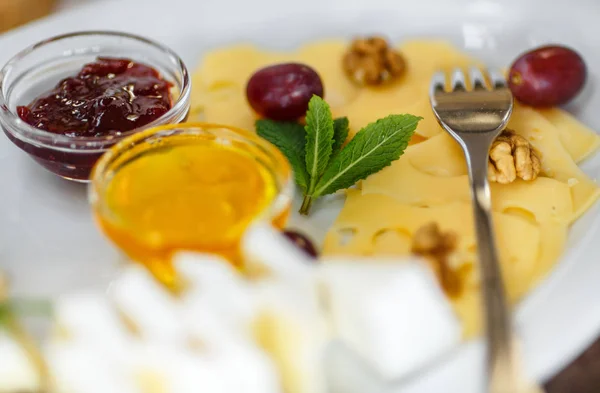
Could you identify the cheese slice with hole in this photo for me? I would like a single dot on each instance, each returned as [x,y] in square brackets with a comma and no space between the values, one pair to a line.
[375,224]
[366,216]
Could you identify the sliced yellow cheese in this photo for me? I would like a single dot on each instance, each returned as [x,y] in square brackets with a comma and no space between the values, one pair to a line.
[326,58]
[235,65]
[556,161]
[373,224]
[425,57]
[428,126]
[429,183]
[431,173]
[579,140]
[523,278]
[373,104]
[232,110]
[365,216]
[219,89]
[218,94]
[438,156]
[410,93]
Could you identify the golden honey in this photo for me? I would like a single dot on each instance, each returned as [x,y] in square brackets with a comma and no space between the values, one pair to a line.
[197,189]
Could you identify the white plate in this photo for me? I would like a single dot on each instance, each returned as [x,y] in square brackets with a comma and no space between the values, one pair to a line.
[50,245]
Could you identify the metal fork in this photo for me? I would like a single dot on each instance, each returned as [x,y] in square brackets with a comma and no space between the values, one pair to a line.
[475,117]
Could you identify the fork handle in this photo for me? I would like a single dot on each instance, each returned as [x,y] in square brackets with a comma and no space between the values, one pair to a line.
[502,376]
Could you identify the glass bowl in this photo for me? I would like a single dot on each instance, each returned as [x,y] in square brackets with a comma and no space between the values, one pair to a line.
[188,187]
[40,67]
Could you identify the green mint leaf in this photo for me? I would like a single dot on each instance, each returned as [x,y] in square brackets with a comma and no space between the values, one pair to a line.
[290,139]
[5,314]
[319,139]
[340,134]
[372,149]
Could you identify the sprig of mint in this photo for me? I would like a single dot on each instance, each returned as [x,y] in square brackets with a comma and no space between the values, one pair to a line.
[10,313]
[290,138]
[321,164]
[319,140]
[13,308]
[341,128]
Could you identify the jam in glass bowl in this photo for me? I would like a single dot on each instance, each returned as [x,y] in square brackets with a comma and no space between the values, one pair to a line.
[66,100]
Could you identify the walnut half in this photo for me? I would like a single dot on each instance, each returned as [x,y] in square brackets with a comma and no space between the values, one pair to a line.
[371,61]
[512,156]
[440,249]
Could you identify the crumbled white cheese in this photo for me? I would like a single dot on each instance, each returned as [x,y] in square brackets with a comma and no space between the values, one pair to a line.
[17,371]
[214,285]
[91,320]
[78,368]
[177,344]
[153,311]
[226,334]
[293,330]
[264,245]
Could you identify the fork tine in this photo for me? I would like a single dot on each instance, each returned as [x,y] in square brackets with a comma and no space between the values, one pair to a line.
[438,83]
[476,78]
[497,79]
[458,80]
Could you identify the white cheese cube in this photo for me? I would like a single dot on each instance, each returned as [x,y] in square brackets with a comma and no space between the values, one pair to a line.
[225,368]
[89,319]
[264,245]
[291,328]
[146,303]
[254,371]
[205,329]
[165,368]
[392,314]
[77,368]
[17,371]
[213,284]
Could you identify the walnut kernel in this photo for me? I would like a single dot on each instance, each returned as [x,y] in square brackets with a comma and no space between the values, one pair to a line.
[440,249]
[371,61]
[512,157]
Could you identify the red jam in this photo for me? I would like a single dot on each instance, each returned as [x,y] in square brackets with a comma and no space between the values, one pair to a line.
[106,98]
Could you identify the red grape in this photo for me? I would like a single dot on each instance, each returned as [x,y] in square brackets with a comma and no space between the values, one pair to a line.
[282,91]
[302,242]
[547,76]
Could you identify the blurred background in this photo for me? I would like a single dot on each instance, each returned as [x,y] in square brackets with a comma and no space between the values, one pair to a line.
[14,13]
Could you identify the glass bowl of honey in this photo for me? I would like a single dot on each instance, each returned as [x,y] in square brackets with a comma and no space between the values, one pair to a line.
[188,187]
